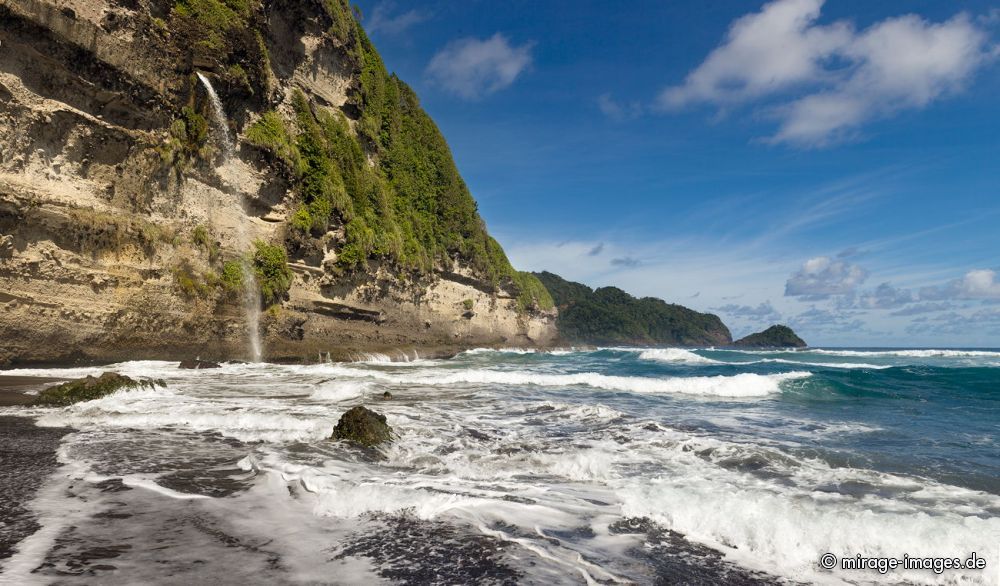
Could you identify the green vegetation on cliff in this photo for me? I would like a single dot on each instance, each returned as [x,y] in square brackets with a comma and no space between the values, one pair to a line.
[777,336]
[609,315]
[390,181]
[270,265]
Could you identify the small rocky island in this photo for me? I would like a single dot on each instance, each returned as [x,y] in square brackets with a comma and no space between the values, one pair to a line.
[777,336]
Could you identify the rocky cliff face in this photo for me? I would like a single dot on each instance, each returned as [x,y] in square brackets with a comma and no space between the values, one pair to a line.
[121,214]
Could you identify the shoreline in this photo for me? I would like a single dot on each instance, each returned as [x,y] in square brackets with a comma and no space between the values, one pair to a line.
[14,388]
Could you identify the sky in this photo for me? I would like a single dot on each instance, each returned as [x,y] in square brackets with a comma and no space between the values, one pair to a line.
[834,166]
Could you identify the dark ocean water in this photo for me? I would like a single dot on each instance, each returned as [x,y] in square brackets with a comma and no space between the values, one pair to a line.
[644,465]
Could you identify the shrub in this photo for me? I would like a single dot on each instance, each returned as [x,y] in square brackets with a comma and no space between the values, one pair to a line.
[232,276]
[201,238]
[270,265]
[187,282]
[270,132]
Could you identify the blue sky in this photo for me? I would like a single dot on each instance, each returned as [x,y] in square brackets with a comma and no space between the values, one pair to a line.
[831,165]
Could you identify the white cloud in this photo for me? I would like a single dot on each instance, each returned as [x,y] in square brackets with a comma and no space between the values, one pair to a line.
[617,110]
[765,52]
[976,284]
[848,77]
[922,308]
[472,68]
[381,19]
[821,277]
[983,321]
[885,296]
[763,312]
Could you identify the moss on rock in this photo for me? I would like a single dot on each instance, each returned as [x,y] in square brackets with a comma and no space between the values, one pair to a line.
[90,388]
[363,426]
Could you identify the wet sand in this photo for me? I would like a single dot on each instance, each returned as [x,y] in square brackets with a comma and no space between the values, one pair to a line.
[27,458]
[13,388]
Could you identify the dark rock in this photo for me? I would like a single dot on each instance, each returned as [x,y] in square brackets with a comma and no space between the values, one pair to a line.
[386,396]
[777,336]
[363,426]
[90,388]
[197,364]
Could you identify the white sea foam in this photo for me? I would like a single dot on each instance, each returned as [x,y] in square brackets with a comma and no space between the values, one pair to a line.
[475,351]
[552,459]
[344,390]
[163,408]
[139,481]
[740,385]
[588,412]
[675,355]
[786,531]
[847,365]
[926,353]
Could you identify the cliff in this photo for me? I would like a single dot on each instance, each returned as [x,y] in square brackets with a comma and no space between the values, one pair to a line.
[776,336]
[611,316]
[135,208]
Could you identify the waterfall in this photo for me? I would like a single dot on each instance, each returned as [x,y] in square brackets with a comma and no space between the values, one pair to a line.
[251,291]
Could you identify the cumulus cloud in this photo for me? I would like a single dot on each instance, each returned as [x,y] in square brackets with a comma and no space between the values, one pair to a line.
[772,50]
[472,68]
[382,20]
[821,277]
[762,312]
[885,296]
[976,284]
[843,78]
[818,319]
[982,321]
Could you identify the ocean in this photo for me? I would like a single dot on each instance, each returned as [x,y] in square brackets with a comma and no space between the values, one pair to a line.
[572,466]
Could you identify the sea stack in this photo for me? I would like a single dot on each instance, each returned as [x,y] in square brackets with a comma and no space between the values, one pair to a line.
[776,336]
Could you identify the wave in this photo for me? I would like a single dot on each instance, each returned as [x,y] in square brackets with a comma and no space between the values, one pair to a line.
[740,385]
[675,355]
[243,420]
[337,391]
[926,353]
[849,365]
[788,529]
[474,351]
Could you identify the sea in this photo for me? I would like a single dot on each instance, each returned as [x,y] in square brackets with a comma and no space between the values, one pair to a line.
[520,466]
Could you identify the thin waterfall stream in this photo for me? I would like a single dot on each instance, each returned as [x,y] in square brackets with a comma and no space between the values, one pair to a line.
[251,290]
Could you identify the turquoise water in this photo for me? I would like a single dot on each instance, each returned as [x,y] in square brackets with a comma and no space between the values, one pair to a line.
[928,413]
[529,463]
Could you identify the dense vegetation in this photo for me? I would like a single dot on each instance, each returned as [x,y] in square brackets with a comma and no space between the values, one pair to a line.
[777,336]
[609,315]
[223,32]
[390,181]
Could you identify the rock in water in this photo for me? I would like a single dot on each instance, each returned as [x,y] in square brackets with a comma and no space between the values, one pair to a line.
[198,364]
[773,337]
[363,426]
[89,388]
[387,396]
